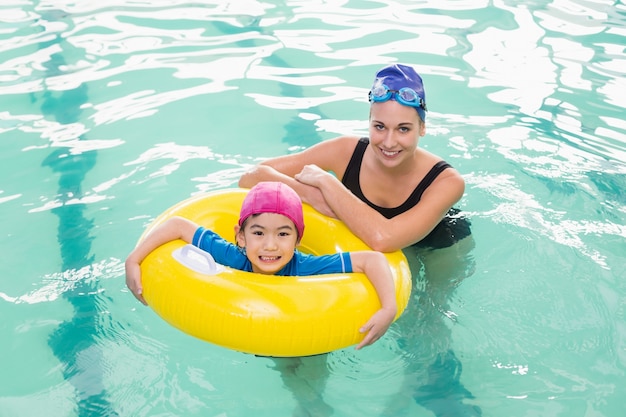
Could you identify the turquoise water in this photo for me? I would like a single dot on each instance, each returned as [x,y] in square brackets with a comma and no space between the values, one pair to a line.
[110,112]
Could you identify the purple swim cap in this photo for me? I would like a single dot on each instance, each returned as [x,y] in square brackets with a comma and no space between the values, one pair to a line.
[399,76]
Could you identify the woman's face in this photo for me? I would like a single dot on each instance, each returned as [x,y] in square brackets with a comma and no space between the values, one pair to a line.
[270,240]
[395,130]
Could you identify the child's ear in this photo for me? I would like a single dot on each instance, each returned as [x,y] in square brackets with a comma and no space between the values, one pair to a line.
[239,236]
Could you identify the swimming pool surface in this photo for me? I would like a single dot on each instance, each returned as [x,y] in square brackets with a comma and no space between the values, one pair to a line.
[111,112]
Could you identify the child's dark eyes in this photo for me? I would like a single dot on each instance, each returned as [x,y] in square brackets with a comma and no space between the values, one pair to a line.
[281,234]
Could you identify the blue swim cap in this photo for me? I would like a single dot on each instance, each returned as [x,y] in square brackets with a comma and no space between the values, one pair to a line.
[398,76]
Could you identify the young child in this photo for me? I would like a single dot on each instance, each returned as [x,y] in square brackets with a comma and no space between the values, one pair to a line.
[270,227]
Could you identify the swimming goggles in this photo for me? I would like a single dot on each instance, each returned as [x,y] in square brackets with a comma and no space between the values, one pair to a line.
[406,96]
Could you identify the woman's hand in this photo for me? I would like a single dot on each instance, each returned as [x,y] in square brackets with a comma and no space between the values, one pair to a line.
[312,175]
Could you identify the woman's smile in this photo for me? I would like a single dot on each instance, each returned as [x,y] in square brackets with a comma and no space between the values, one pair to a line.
[389,154]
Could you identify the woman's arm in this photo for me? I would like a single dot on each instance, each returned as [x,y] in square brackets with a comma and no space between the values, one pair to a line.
[308,172]
[376,267]
[173,229]
[378,232]
[330,155]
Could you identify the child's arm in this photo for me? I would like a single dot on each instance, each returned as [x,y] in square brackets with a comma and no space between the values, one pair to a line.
[375,266]
[174,228]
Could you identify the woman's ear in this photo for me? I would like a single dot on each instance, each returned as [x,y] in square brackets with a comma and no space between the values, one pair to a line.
[239,236]
[422,129]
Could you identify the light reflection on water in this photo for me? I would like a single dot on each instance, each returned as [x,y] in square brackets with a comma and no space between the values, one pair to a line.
[526,101]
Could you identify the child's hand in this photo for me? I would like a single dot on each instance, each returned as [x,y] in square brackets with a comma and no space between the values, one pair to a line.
[376,326]
[133,280]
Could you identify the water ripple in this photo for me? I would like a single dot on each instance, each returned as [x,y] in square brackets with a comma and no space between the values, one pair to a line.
[526,101]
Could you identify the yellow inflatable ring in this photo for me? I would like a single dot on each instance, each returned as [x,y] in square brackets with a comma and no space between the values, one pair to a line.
[265,314]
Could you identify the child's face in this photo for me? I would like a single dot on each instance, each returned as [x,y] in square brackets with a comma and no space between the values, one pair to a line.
[270,240]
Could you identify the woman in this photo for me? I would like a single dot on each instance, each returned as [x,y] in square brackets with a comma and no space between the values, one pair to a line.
[388,191]
[394,195]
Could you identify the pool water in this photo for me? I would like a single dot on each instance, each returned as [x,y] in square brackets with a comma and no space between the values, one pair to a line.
[111,112]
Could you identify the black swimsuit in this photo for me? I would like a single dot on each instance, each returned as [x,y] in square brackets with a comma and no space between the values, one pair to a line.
[452,228]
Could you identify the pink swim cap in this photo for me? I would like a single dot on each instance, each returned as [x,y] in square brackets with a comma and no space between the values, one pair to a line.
[273,197]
